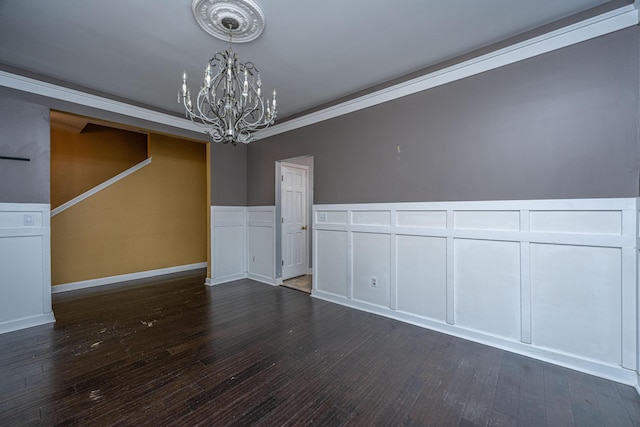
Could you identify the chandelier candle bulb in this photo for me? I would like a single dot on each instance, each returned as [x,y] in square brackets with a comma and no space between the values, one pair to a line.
[183,89]
[207,76]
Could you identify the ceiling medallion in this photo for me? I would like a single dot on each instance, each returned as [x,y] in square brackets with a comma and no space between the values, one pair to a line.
[210,14]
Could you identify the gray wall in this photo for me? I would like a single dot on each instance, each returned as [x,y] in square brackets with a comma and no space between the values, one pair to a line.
[229,164]
[24,132]
[83,110]
[560,125]
[229,175]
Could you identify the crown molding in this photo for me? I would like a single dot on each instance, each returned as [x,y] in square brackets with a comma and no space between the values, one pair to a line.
[49,90]
[597,26]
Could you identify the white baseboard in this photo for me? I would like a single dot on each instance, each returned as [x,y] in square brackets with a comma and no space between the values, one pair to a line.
[240,276]
[242,244]
[125,277]
[26,322]
[25,265]
[262,279]
[551,279]
[225,279]
[614,373]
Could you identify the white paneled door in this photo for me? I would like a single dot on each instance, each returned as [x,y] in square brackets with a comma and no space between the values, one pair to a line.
[294,217]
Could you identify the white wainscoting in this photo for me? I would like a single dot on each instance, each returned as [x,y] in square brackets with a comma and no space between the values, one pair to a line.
[551,279]
[261,243]
[25,266]
[242,244]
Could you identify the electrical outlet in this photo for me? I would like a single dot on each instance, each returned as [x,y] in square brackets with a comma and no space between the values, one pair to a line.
[28,220]
[374,282]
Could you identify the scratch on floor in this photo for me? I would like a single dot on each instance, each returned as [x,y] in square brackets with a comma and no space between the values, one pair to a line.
[95,344]
[149,324]
[95,395]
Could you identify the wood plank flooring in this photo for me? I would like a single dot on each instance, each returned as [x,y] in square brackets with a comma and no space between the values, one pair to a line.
[177,352]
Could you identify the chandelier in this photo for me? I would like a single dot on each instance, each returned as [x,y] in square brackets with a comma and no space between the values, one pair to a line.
[230,103]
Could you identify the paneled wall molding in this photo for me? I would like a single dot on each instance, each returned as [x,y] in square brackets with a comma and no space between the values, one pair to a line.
[261,243]
[25,266]
[100,187]
[551,279]
[242,244]
[66,287]
[597,26]
[228,244]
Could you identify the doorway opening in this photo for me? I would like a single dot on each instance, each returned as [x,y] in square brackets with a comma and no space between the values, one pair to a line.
[294,201]
[301,283]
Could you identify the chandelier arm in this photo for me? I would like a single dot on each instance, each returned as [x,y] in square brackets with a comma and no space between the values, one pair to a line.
[215,132]
[248,111]
[230,103]
[245,137]
[202,116]
[261,121]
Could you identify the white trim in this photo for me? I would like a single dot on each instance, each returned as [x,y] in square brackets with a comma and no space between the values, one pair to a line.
[615,373]
[125,277]
[238,265]
[262,279]
[26,84]
[269,222]
[539,204]
[232,256]
[597,26]
[232,278]
[624,17]
[604,229]
[225,279]
[26,322]
[32,305]
[100,187]
[307,205]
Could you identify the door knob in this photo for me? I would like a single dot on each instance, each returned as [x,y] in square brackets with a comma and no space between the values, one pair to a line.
[304,227]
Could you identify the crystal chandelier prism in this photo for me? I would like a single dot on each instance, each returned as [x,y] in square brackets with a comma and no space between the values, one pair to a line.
[230,103]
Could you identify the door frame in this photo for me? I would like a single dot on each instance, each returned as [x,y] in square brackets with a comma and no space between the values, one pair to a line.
[306,160]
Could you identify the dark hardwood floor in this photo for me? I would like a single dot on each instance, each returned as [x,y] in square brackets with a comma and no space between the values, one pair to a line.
[179,353]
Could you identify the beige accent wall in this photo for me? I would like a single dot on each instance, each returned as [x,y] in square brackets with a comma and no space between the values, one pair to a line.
[152,219]
[81,161]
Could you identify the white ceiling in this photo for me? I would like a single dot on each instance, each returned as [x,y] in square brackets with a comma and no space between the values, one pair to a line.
[313,52]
